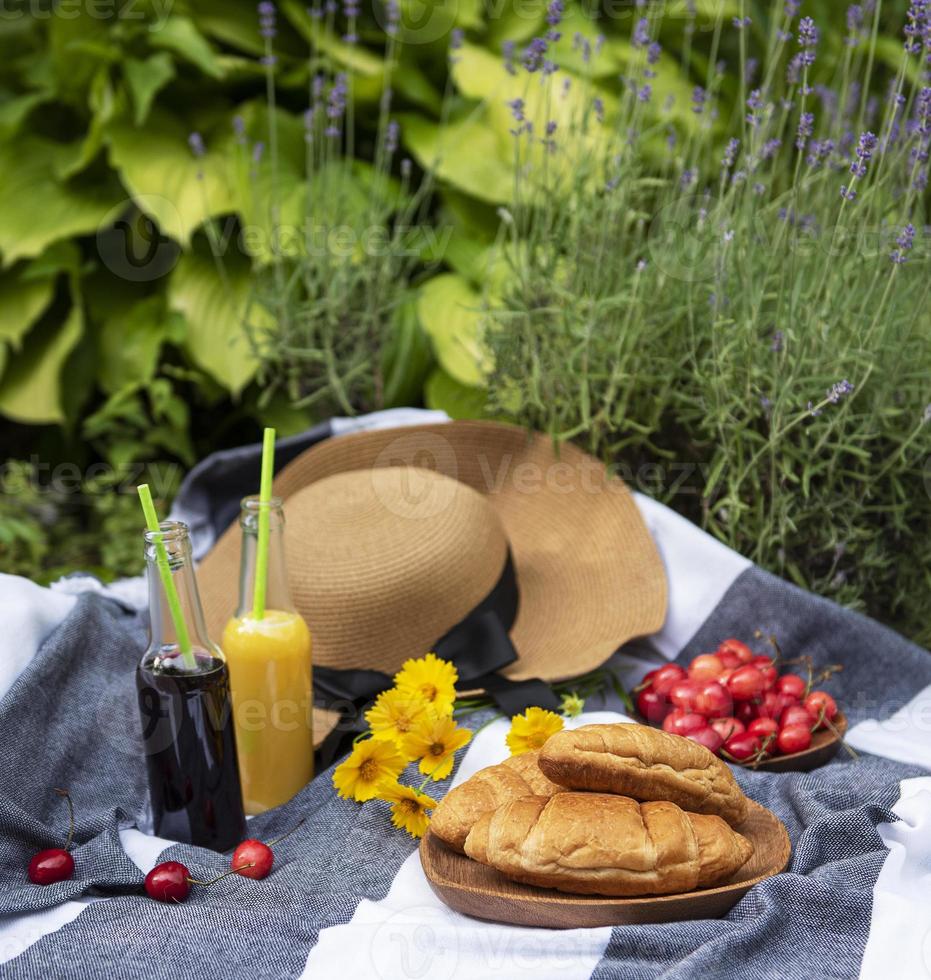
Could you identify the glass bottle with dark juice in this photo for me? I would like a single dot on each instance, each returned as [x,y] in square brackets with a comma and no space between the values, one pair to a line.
[187,718]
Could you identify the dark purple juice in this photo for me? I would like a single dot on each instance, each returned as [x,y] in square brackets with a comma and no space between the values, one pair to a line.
[190,746]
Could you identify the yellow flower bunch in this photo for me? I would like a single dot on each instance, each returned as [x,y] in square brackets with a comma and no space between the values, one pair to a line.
[411,722]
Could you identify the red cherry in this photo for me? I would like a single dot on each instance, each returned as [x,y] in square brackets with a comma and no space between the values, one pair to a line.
[792,685]
[761,660]
[50,866]
[746,711]
[684,694]
[667,676]
[730,660]
[740,650]
[793,738]
[252,859]
[728,727]
[794,715]
[55,863]
[746,683]
[169,881]
[742,747]
[770,676]
[708,737]
[652,706]
[821,706]
[763,727]
[705,667]
[713,700]
[682,722]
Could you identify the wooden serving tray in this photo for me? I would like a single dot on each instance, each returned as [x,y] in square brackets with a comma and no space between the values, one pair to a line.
[477,890]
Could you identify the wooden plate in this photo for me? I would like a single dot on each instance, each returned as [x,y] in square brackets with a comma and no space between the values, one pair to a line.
[823,748]
[477,890]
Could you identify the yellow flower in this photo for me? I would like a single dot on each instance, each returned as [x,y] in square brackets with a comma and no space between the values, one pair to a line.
[431,679]
[409,808]
[371,764]
[394,714]
[531,729]
[434,741]
[572,705]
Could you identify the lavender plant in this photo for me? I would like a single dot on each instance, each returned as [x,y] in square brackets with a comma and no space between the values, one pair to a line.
[745,335]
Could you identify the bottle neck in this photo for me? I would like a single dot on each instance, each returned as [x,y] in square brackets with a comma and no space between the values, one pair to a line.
[277,589]
[163,633]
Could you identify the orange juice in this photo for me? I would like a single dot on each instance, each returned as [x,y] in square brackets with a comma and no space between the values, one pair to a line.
[270,676]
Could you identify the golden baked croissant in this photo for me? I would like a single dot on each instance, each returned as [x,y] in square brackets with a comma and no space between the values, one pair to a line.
[488,789]
[645,763]
[601,844]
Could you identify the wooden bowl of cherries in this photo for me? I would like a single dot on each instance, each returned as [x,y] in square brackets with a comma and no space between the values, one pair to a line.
[746,708]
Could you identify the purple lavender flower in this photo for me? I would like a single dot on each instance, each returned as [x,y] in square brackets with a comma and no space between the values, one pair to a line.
[392,132]
[507,52]
[267,18]
[754,103]
[406,168]
[904,244]
[258,151]
[839,390]
[196,142]
[336,104]
[730,153]
[808,40]
[645,93]
[393,20]
[581,44]
[517,109]
[770,148]
[551,127]
[848,193]
[239,129]
[699,98]
[791,8]
[533,54]
[806,124]
[599,108]
[864,151]
[854,25]
[641,35]
[778,342]
[653,52]
[687,178]
[794,69]
[916,26]
[554,14]
[741,22]
[750,69]
[456,38]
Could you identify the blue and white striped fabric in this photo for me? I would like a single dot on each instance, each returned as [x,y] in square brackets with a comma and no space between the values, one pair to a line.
[347,896]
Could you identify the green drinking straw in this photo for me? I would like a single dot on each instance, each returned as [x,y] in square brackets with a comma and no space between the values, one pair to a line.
[164,569]
[265,496]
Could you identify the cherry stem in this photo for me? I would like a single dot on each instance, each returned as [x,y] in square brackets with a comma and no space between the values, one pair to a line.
[278,840]
[67,796]
[830,724]
[226,874]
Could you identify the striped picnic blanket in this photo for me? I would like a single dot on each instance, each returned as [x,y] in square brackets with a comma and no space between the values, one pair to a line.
[347,896]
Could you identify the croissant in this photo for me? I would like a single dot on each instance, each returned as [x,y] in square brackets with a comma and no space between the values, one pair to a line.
[485,791]
[646,764]
[599,844]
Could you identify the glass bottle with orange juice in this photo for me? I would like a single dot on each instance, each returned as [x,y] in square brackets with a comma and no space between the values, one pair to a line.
[269,655]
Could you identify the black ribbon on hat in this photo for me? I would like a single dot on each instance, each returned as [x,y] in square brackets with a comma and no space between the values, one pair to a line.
[479,647]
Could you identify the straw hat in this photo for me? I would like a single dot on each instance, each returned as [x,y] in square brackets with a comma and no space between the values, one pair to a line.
[394,536]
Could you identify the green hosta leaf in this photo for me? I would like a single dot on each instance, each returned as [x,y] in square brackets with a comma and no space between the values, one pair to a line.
[130,342]
[38,209]
[215,308]
[156,166]
[180,35]
[77,45]
[104,104]
[145,79]
[31,389]
[14,111]
[517,20]
[22,302]
[466,153]
[459,401]
[450,313]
